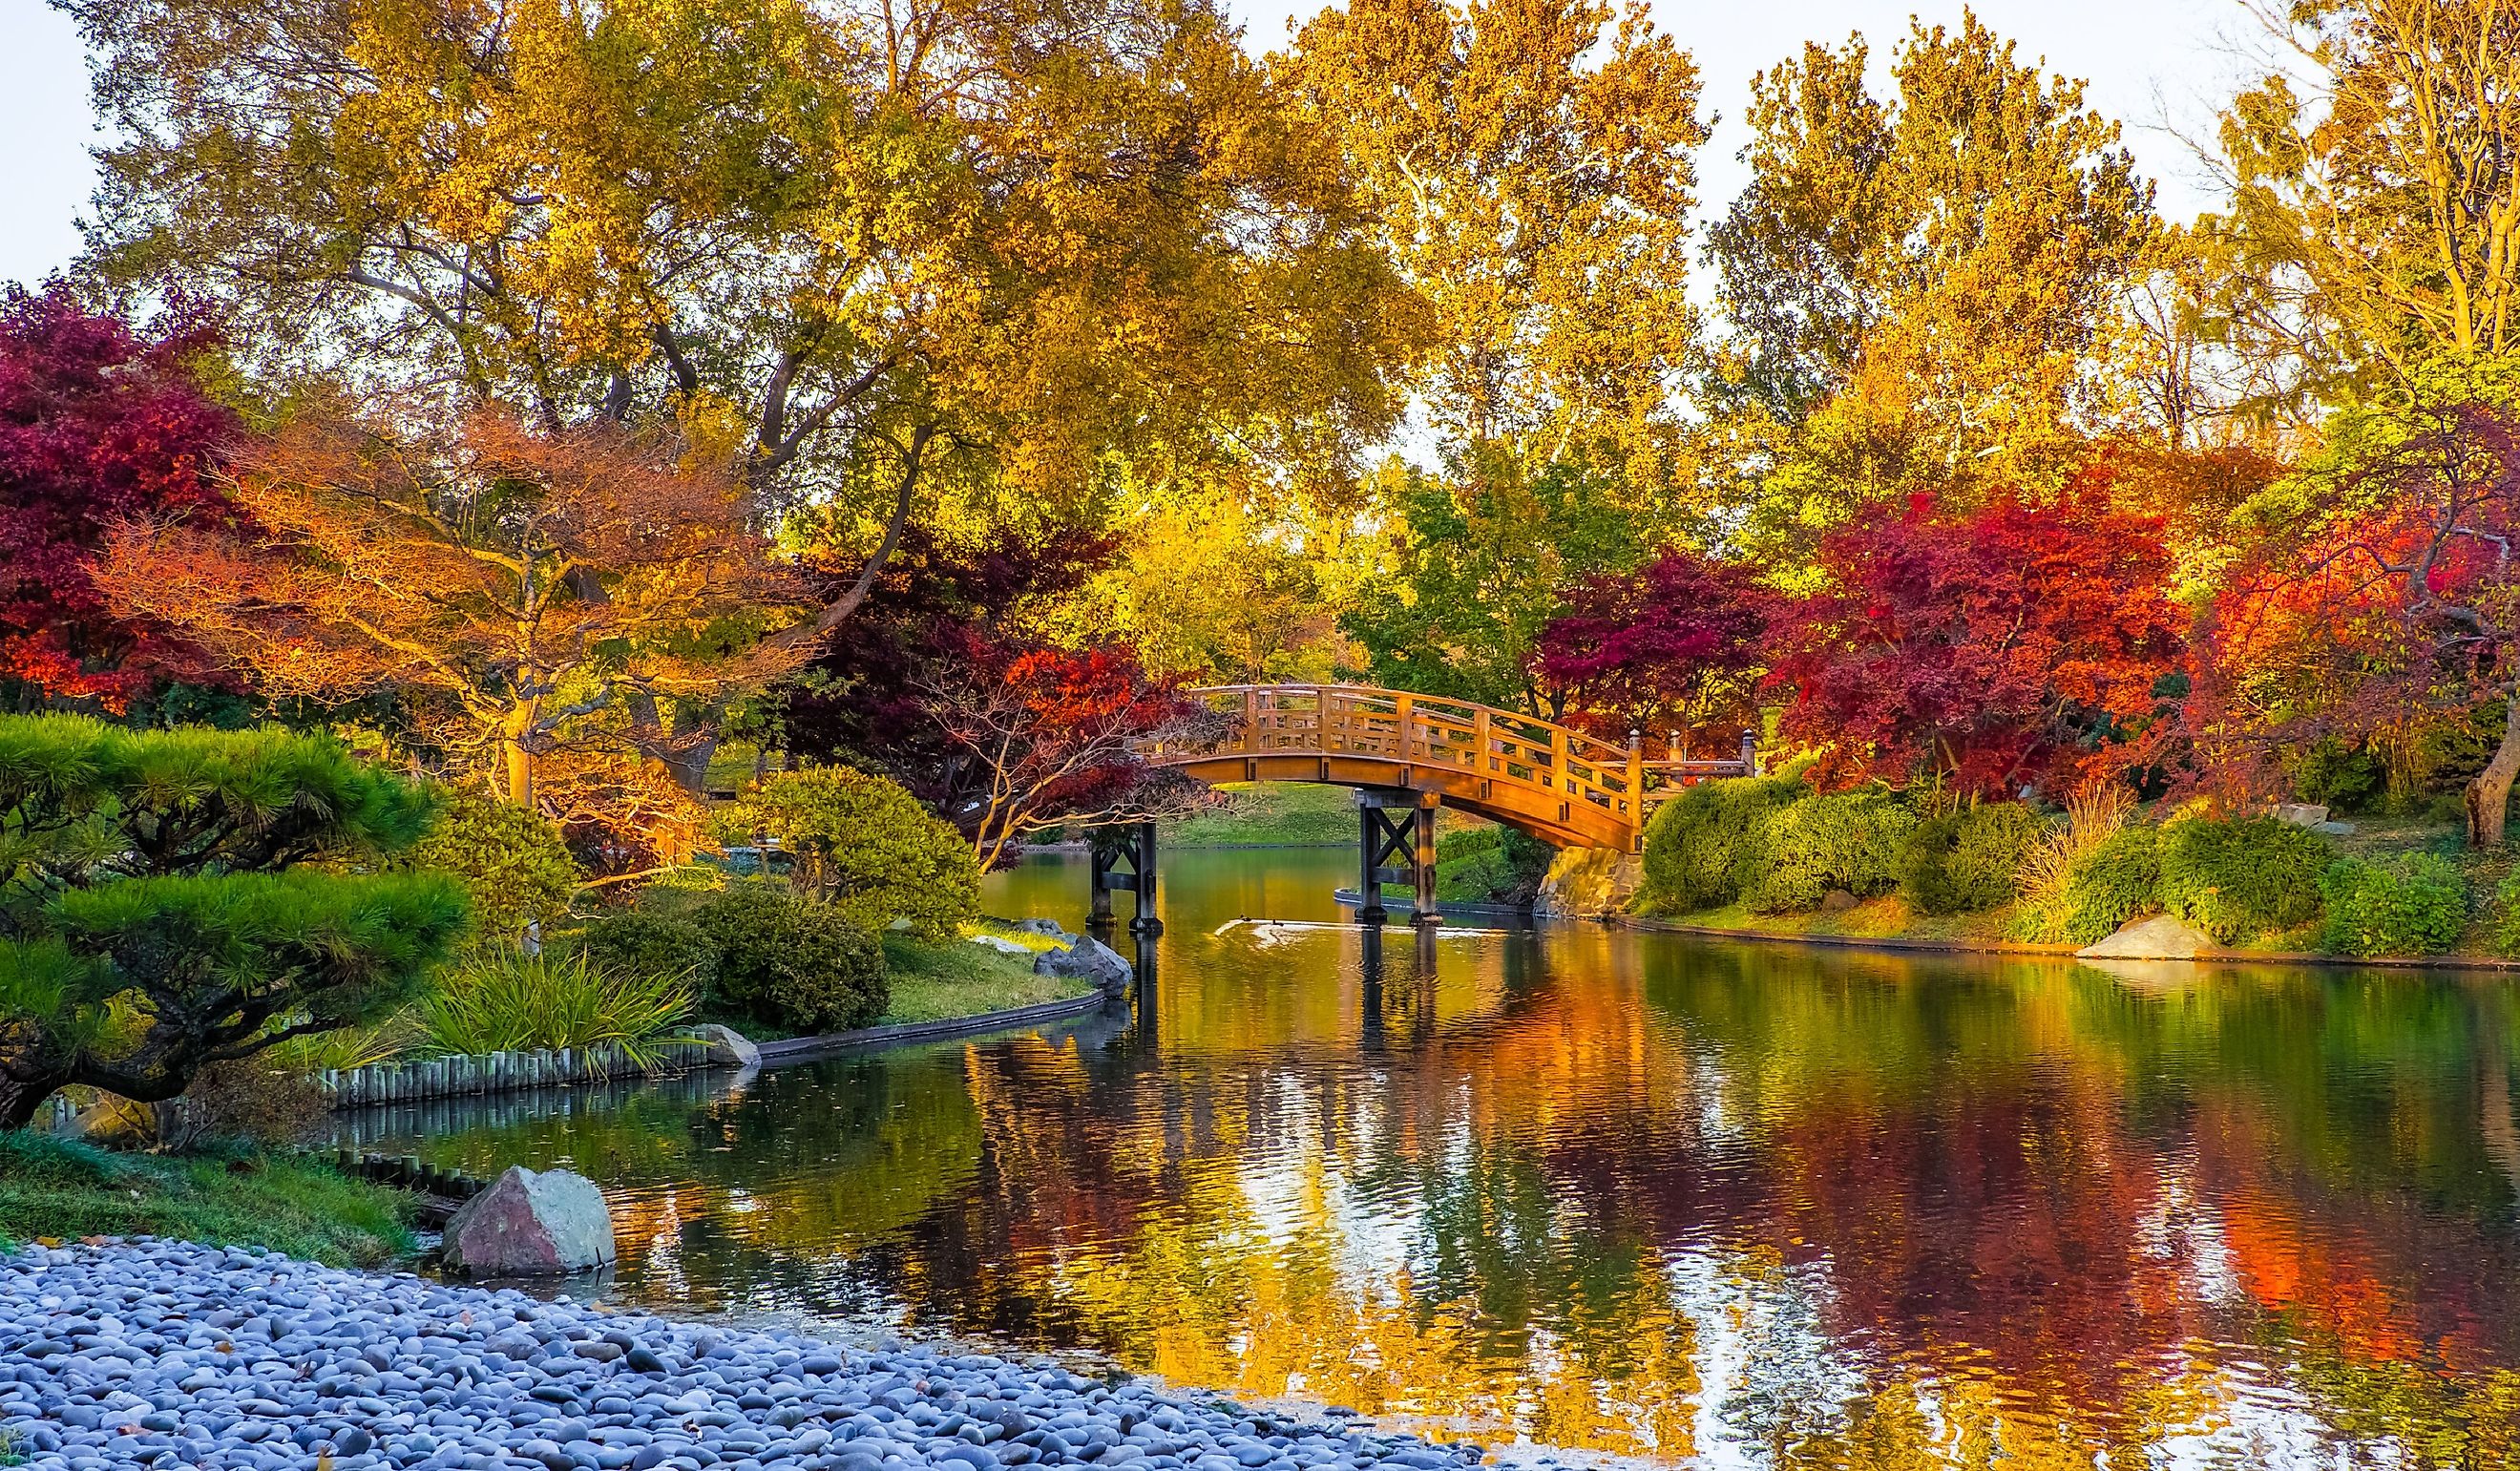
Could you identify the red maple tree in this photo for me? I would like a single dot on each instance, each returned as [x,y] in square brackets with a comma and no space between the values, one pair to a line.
[1992,647]
[98,423]
[1039,736]
[1679,644]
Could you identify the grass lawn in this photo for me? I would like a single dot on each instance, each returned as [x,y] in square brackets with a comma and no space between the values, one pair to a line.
[935,981]
[51,1189]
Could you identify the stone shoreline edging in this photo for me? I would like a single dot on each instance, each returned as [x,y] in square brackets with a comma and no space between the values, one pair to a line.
[1892,943]
[139,1352]
[797,1050]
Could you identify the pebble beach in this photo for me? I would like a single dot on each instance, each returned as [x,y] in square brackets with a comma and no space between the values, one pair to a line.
[162,1353]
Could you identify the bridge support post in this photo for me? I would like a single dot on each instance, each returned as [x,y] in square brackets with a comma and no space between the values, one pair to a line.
[1395,844]
[1124,859]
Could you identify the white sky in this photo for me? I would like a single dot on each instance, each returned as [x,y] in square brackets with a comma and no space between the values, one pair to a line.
[2150,62]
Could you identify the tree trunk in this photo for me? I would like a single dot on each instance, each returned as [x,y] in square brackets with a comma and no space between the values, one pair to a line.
[520,774]
[19,1101]
[2489,796]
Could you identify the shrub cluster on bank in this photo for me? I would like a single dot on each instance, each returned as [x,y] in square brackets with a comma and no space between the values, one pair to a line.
[1774,846]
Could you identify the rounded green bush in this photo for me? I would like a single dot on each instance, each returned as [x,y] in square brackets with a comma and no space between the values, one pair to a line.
[1969,861]
[793,961]
[2235,878]
[1836,840]
[864,843]
[1708,846]
[642,943]
[2412,905]
[514,863]
[2113,883]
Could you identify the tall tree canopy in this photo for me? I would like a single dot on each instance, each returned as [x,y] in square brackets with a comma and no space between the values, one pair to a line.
[868,251]
[2375,221]
[1914,285]
[1531,163]
[97,423]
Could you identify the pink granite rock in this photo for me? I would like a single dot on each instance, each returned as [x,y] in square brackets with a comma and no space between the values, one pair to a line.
[531,1226]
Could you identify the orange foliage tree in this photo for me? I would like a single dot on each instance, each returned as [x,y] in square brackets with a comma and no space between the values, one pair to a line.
[525,596]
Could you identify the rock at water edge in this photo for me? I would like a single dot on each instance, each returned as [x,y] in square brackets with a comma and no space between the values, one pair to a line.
[1591,884]
[2157,938]
[727,1046]
[1088,958]
[528,1225]
[2298,814]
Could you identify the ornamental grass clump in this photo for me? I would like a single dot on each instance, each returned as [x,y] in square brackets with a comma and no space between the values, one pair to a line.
[500,998]
[2232,879]
[2093,815]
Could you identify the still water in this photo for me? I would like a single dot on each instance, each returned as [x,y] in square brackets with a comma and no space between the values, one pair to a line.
[1722,1204]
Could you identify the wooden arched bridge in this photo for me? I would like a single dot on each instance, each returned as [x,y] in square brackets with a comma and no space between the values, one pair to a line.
[1409,754]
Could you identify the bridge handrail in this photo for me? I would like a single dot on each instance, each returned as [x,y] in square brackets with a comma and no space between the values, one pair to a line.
[1522,751]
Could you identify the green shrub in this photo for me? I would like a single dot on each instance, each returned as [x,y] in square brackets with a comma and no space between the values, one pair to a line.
[864,843]
[1969,861]
[1835,841]
[646,942]
[514,863]
[2234,877]
[1490,865]
[1708,846]
[2412,905]
[43,1159]
[2341,777]
[501,999]
[793,961]
[2110,884]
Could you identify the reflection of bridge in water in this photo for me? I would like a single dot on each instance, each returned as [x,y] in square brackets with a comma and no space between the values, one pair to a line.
[1408,755]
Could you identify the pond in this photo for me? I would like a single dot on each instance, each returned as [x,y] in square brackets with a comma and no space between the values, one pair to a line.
[1720,1203]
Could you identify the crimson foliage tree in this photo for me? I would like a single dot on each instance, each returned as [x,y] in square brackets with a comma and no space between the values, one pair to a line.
[1677,643]
[98,423]
[943,683]
[1992,647]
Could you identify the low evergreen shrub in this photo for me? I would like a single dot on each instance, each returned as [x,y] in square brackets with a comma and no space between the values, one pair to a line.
[1708,846]
[1834,841]
[1969,861]
[864,843]
[2340,776]
[794,962]
[649,943]
[2114,881]
[2415,904]
[2235,878]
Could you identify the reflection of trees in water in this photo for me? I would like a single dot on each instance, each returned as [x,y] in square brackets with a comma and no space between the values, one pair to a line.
[1857,1211]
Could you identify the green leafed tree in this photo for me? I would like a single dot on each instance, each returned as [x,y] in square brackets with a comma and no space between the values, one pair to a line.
[169,900]
[1478,561]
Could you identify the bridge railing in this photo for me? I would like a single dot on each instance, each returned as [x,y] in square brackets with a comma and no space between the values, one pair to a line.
[1352,720]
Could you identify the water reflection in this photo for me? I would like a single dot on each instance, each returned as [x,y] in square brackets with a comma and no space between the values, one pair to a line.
[1745,1205]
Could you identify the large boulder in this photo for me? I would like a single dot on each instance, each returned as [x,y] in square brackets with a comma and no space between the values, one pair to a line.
[528,1225]
[727,1046]
[1087,958]
[1591,884]
[2158,937]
